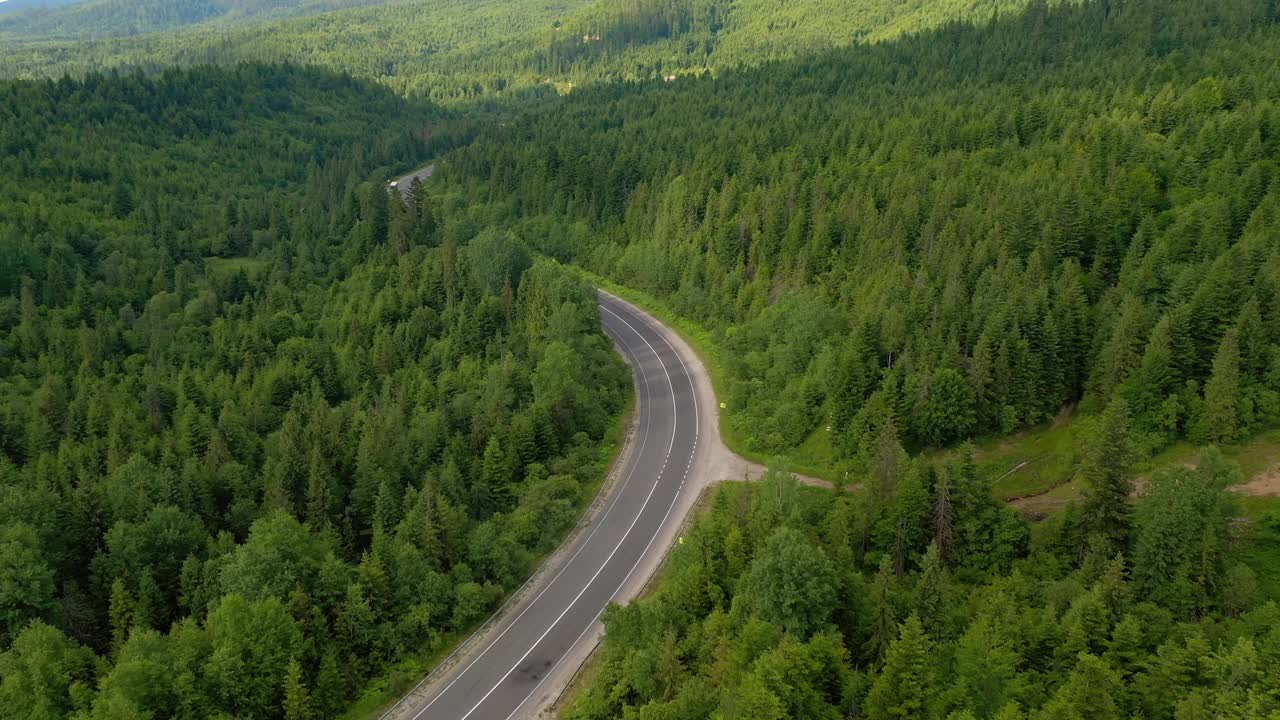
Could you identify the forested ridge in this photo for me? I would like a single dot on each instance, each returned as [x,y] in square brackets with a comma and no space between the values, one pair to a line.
[264,428]
[955,235]
[483,51]
[897,248]
[111,18]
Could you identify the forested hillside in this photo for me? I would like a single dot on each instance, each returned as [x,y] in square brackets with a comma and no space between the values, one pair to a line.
[897,248]
[270,435]
[111,18]
[956,235]
[264,428]
[927,602]
[466,51]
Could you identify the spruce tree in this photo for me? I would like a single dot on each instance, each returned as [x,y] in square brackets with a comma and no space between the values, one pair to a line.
[120,612]
[944,517]
[884,621]
[931,593]
[297,701]
[319,492]
[1105,472]
[1221,420]
[904,687]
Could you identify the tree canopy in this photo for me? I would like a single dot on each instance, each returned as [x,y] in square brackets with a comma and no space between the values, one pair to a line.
[265,428]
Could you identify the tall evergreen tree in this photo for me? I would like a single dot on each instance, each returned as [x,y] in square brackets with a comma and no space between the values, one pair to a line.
[1105,471]
[904,686]
[1220,421]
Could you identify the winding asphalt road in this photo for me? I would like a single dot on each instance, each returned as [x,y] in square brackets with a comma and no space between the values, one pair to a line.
[516,666]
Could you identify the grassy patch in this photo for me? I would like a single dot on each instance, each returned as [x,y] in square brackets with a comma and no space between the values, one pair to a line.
[222,267]
[1257,453]
[1033,462]
[816,457]
[813,457]
[1036,469]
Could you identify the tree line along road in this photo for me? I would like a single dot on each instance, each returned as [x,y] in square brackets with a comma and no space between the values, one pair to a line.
[517,665]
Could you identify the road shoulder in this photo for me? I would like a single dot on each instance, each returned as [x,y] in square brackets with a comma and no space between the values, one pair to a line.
[469,649]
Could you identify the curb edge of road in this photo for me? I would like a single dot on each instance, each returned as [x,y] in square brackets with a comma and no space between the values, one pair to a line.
[554,708]
[553,703]
[548,564]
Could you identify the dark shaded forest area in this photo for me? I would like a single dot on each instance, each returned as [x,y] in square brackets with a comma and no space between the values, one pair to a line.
[264,428]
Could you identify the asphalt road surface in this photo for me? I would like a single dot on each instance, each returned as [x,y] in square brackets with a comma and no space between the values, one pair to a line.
[549,630]
[405,183]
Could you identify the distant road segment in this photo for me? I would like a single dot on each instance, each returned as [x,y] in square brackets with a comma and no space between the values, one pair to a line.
[405,183]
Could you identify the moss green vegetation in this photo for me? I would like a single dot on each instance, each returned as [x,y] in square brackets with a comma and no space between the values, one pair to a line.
[475,50]
[266,431]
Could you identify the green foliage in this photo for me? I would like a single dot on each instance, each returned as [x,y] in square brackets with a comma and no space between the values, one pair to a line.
[252,644]
[1220,421]
[1088,693]
[497,260]
[1046,636]
[469,50]
[27,589]
[1106,473]
[1182,536]
[957,253]
[791,584]
[279,556]
[902,689]
[43,675]
[297,704]
[255,447]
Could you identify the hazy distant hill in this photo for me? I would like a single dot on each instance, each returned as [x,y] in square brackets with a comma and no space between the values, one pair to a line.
[13,6]
[117,18]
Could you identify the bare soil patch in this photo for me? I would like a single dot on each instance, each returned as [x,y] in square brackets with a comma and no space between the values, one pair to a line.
[1263,484]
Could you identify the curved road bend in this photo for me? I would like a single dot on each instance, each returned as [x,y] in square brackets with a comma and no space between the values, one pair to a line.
[552,628]
[404,183]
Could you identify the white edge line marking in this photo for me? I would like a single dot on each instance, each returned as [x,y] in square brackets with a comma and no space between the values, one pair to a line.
[613,552]
[642,319]
[599,524]
[676,497]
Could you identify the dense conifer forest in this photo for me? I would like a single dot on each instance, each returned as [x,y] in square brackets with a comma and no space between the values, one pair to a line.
[474,51]
[273,438]
[264,428]
[924,599]
[955,235]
